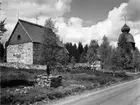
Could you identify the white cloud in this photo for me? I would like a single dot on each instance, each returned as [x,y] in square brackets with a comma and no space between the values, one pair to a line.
[137,40]
[133,10]
[28,9]
[72,30]
[31,8]
[75,32]
[111,27]
[75,22]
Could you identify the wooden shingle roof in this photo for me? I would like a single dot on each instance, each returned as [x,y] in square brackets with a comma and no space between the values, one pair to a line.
[35,32]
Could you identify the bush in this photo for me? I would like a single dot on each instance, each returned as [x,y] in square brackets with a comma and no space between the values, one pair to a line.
[6,99]
[82,70]
[121,74]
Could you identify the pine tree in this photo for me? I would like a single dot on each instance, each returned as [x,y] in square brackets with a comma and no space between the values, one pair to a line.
[124,58]
[80,48]
[2,27]
[86,48]
[105,51]
[92,53]
[115,63]
[83,58]
[136,62]
[75,52]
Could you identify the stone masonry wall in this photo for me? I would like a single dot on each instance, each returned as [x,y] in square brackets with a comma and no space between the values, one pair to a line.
[21,53]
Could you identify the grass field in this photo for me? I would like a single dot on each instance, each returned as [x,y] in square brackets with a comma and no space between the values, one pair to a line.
[75,81]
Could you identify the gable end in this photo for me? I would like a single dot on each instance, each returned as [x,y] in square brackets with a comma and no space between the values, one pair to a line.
[19,35]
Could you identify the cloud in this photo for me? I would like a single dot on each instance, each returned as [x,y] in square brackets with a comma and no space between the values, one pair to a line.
[28,9]
[133,10]
[75,22]
[31,8]
[137,40]
[74,29]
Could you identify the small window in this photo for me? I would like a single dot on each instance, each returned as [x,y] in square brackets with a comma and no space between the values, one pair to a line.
[18,37]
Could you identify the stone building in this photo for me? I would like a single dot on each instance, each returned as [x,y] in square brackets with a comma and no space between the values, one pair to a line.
[24,43]
[126,40]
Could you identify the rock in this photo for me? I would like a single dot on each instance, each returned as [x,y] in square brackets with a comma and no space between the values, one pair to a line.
[56,81]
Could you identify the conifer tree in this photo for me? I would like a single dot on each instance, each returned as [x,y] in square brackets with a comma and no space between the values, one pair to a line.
[136,61]
[104,52]
[92,53]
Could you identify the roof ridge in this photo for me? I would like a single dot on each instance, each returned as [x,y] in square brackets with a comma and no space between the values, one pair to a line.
[30,23]
[26,31]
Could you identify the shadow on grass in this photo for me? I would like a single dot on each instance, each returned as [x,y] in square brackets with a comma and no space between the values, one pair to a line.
[15,83]
[11,77]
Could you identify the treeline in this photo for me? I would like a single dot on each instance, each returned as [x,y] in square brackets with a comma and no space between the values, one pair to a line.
[77,51]
[114,58]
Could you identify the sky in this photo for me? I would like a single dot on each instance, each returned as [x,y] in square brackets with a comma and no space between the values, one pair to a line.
[77,20]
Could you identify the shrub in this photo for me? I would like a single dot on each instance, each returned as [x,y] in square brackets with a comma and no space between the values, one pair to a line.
[121,74]
[6,98]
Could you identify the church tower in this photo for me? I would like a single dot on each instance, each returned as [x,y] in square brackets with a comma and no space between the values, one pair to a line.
[126,40]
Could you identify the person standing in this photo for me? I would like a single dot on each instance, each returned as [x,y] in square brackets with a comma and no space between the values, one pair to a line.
[48,69]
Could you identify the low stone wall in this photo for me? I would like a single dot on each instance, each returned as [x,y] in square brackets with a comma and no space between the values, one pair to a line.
[23,66]
[43,80]
[51,81]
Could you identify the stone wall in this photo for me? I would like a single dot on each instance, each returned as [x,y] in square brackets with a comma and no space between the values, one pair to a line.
[21,53]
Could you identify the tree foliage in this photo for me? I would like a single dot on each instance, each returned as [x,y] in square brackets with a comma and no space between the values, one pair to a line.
[80,48]
[121,60]
[105,51]
[92,53]
[52,50]
[83,58]
[73,60]
[1,52]
[83,55]
[115,63]
[136,62]
[51,24]
[62,56]
[2,26]
[2,31]
[76,51]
